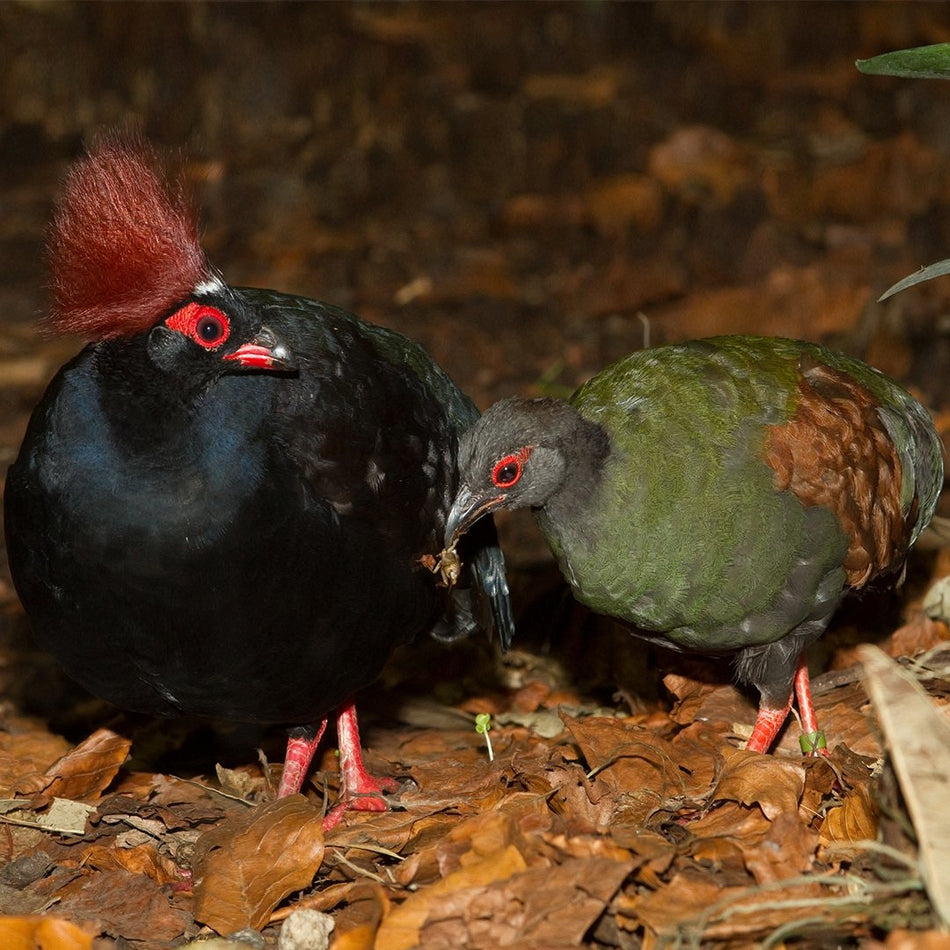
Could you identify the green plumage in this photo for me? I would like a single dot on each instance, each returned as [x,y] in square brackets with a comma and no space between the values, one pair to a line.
[668,542]
[720,496]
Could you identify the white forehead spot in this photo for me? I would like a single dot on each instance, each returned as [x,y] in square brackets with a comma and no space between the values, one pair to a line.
[211,285]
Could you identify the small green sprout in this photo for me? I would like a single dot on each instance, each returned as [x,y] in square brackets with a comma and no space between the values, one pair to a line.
[482,725]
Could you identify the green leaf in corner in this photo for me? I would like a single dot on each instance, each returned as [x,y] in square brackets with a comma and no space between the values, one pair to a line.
[920,62]
[939,269]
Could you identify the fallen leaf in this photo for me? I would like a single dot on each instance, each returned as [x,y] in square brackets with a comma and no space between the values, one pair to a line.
[66,817]
[543,906]
[915,940]
[649,771]
[786,851]
[775,785]
[26,752]
[250,862]
[42,933]
[700,164]
[358,922]
[401,929]
[917,736]
[121,904]
[143,859]
[84,772]
[696,908]
[593,89]
[625,200]
[855,819]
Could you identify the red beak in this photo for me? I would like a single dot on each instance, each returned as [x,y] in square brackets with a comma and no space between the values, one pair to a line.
[265,351]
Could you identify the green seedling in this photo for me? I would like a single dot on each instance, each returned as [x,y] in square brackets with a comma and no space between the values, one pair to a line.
[482,725]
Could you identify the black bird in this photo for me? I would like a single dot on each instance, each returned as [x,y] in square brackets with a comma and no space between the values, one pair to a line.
[720,496]
[224,504]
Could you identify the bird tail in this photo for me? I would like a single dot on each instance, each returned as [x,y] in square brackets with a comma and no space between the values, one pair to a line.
[488,567]
[481,600]
[921,453]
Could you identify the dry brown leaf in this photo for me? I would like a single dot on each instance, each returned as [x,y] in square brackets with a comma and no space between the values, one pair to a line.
[723,836]
[539,907]
[787,850]
[919,634]
[915,940]
[143,859]
[452,768]
[696,905]
[186,814]
[653,853]
[122,904]
[855,819]
[25,752]
[917,736]
[624,200]
[593,89]
[775,785]
[401,928]
[713,707]
[42,933]
[804,302]
[629,759]
[700,164]
[480,836]
[685,898]
[822,777]
[250,862]
[83,773]
[358,922]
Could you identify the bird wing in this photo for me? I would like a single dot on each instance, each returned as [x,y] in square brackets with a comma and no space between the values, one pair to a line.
[410,430]
[872,457]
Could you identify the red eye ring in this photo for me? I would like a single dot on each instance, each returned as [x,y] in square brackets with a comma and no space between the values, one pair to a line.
[207,326]
[507,471]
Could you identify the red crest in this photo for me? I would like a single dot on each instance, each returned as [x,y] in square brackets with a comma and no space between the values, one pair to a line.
[123,246]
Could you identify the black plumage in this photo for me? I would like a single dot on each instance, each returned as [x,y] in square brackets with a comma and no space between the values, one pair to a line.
[221,509]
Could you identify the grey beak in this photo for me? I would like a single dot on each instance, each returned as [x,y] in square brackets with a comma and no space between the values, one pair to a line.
[467,508]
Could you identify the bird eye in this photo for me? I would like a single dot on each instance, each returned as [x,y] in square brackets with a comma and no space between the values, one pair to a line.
[506,472]
[207,326]
[210,329]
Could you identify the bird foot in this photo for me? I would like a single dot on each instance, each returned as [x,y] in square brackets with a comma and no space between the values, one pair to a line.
[367,796]
[359,791]
[368,786]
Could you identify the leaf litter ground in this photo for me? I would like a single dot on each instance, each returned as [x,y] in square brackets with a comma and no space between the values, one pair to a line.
[512,185]
[603,820]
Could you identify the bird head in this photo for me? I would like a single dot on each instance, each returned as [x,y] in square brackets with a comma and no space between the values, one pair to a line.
[126,262]
[515,456]
[214,334]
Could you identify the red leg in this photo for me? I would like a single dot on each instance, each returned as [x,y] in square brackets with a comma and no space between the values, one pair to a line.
[359,791]
[767,724]
[813,739]
[770,718]
[299,755]
[357,782]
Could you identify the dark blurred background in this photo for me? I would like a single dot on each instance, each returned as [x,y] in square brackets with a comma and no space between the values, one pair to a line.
[530,189]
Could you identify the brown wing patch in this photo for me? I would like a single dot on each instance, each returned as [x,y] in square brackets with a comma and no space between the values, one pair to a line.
[836,452]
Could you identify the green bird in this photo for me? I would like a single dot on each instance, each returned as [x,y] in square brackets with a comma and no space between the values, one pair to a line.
[720,496]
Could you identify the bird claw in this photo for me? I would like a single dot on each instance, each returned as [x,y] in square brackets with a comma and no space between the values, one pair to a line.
[367,797]
[374,785]
[814,743]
